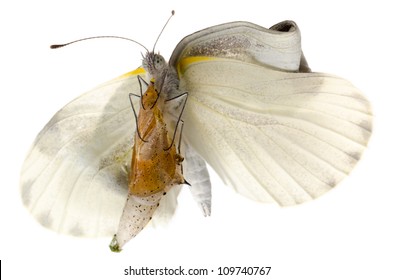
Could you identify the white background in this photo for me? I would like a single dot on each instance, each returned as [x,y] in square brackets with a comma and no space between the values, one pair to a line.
[346,234]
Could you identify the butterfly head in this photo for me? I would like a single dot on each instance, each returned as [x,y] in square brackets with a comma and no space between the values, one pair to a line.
[154,64]
[165,77]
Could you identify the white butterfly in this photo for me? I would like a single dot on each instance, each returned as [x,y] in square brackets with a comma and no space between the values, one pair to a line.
[270,128]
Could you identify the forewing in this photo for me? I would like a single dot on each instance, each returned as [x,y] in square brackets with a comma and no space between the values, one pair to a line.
[278,47]
[74,179]
[274,135]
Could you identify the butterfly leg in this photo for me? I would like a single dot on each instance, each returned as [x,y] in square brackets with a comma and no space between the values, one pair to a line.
[183,100]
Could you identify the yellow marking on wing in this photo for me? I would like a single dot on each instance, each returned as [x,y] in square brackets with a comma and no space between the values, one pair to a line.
[137,71]
[185,62]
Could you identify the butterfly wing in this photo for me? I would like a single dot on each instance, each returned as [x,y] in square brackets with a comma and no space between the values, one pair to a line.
[75,177]
[272,134]
[278,46]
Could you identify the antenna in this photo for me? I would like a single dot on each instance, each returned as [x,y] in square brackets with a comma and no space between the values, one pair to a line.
[159,35]
[56,46]
[98,37]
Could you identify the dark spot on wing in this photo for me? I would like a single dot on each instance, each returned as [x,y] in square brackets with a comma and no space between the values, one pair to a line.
[332,183]
[355,155]
[26,193]
[76,230]
[45,220]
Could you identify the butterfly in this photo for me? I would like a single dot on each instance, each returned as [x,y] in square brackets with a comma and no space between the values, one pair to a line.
[271,129]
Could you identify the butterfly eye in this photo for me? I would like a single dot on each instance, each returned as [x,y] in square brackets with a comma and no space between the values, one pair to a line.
[158,61]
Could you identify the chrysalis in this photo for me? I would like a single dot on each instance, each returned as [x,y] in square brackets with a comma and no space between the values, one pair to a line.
[156,165]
